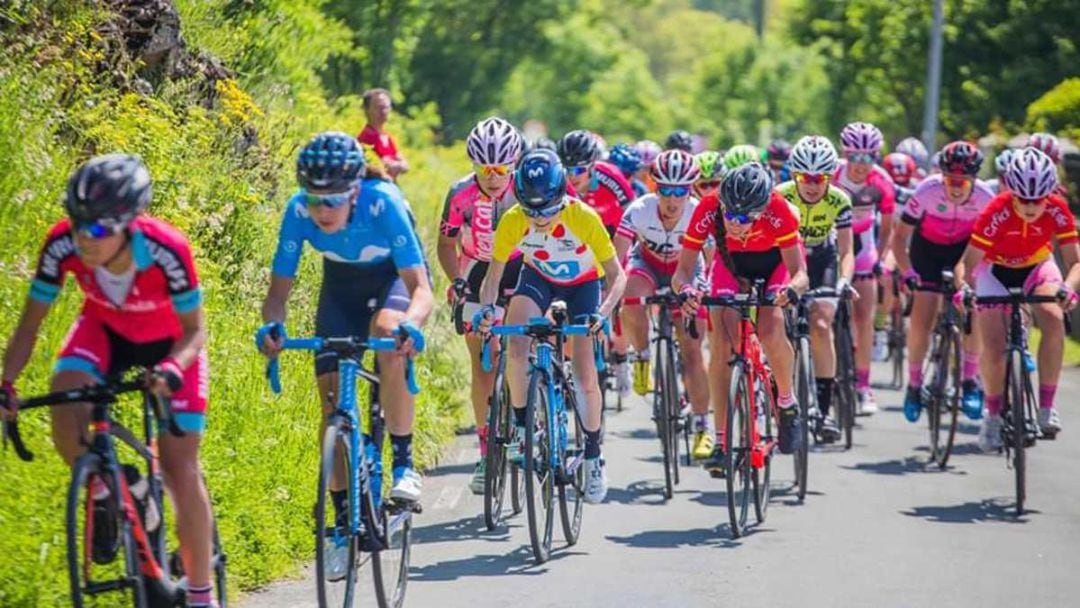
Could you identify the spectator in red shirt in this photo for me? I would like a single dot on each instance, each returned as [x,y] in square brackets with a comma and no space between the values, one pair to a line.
[377,106]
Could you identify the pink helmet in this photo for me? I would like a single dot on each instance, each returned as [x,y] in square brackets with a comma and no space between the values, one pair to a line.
[861,137]
[1032,174]
[1047,144]
[493,141]
[675,167]
[648,150]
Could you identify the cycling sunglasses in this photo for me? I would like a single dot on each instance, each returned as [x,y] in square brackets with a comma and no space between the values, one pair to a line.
[493,170]
[741,218]
[861,157]
[675,191]
[712,184]
[328,200]
[956,181]
[97,230]
[578,170]
[811,178]
[1031,201]
[543,213]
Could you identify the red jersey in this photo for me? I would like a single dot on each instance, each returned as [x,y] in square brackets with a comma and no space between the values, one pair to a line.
[777,227]
[1007,240]
[382,143]
[165,282]
[609,193]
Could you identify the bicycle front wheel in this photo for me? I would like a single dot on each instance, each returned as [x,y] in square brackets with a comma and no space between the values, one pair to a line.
[845,375]
[390,565]
[762,478]
[1017,413]
[539,477]
[335,544]
[949,404]
[674,411]
[572,480]
[739,446]
[496,465]
[662,416]
[804,394]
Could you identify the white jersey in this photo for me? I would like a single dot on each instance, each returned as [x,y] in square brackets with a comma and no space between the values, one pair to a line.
[658,246]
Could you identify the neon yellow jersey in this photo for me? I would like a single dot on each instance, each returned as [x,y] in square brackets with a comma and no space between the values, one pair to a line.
[817,220]
[571,252]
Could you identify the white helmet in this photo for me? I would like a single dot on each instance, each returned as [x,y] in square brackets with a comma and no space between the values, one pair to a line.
[813,154]
[675,167]
[493,141]
[915,149]
[1032,174]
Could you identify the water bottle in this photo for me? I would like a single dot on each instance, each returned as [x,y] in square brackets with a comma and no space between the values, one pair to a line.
[140,491]
[761,401]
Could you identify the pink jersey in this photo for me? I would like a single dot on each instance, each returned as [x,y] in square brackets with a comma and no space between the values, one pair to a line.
[940,221]
[877,193]
[467,207]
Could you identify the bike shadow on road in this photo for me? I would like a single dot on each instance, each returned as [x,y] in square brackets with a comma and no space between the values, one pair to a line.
[998,509]
[906,466]
[638,433]
[719,537]
[470,528]
[517,562]
[646,492]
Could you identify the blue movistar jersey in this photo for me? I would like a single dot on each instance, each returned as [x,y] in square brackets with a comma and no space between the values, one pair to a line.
[640,189]
[379,231]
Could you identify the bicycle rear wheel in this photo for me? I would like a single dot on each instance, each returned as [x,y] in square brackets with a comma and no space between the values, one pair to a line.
[674,402]
[762,478]
[950,397]
[572,479]
[335,544]
[539,478]
[845,374]
[897,342]
[805,395]
[496,465]
[1017,410]
[390,566]
[737,457]
[662,417]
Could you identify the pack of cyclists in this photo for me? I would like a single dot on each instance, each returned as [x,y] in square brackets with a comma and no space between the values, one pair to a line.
[537,222]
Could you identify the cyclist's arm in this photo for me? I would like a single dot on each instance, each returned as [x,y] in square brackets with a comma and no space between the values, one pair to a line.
[845,240]
[684,271]
[273,308]
[447,252]
[421,300]
[489,291]
[614,284]
[187,348]
[796,266]
[1070,256]
[622,245]
[886,235]
[900,246]
[973,256]
[23,339]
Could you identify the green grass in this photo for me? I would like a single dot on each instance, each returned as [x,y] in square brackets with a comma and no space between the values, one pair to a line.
[1072,347]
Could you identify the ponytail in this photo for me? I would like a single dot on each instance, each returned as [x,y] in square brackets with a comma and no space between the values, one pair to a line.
[722,249]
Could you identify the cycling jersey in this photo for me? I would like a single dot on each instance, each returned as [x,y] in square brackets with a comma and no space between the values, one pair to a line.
[817,221]
[876,194]
[640,188]
[569,253]
[776,227]
[164,286]
[940,221]
[903,193]
[378,232]
[468,207]
[609,192]
[658,246]
[1007,240]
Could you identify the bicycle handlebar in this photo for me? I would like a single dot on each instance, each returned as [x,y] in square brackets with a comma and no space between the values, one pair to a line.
[540,327]
[342,345]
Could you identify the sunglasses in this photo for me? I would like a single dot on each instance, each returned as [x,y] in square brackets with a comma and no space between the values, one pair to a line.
[674,191]
[543,213]
[712,184]
[956,181]
[811,178]
[328,200]
[861,157]
[97,230]
[493,170]
[1031,201]
[741,218]
[578,170]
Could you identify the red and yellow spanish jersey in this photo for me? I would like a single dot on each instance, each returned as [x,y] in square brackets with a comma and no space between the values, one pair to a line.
[776,227]
[1008,240]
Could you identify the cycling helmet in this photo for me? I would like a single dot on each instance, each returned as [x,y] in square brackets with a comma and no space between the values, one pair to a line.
[1032,174]
[601,146]
[679,140]
[1047,144]
[675,168]
[545,143]
[540,180]
[331,161]
[740,155]
[626,158]
[961,158]
[711,165]
[648,150]
[861,137]
[914,148]
[578,148]
[493,141]
[814,155]
[778,150]
[900,167]
[935,160]
[746,189]
[1001,161]
[109,190]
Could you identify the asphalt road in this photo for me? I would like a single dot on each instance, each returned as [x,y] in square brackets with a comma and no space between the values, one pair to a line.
[878,529]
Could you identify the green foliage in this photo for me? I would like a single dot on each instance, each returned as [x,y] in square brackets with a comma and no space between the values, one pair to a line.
[1058,110]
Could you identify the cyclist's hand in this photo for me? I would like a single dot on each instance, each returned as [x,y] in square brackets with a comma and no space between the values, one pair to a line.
[691,300]
[962,298]
[483,320]
[9,402]
[909,281]
[457,291]
[1067,297]
[845,288]
[270,339]
[879,269]
[410,339]
[786,296]
[597,323]
[166,378]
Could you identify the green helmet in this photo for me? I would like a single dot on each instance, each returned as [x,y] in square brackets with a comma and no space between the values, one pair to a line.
[711,165]
[739,155]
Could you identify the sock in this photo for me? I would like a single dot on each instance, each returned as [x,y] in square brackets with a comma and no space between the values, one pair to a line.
[592,444]
[701,423]
[785,401]
[914,374]
[824,394]
[482,435]
[401,446]
[199,597]
[971,365]
[519,416]
[994,403]
[862,379]
[1046,396]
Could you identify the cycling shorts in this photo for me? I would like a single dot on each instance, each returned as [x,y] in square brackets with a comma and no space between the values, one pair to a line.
[929,259]
[866,253]
[994,280]
[582,299]
[766,265]
[822,265]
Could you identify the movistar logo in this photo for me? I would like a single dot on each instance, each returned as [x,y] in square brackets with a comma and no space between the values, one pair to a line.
[535,172]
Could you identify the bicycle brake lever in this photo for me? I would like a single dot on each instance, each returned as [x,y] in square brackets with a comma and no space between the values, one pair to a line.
[11,430]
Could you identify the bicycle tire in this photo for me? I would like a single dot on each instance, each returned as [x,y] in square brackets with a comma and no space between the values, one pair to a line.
[951,400]
[390,565]
[936,377]
[78,499]
[335,446]
[1017,410]
[804,394]
[737,456]
[675,421]
[899,340]
[539,478]
[662,419]
[220,570]
[572,482]
[498,424]
[762,478]
[845,376]
[517,489]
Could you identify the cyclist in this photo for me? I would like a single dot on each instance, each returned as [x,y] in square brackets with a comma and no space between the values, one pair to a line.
[375,282]
[914,148]
[776,155]
[648,150]
[740,155]
[902,169]
[1049,145]
[679,140]
[938,219]
[470,212]
[825,228]
[711,165]
[1001,164]
[1011,246]
[757,237]
[653,226]
[871,191]
[143,307]
[628,160]
[567,254]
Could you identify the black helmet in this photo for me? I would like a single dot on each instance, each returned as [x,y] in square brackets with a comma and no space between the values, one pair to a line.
[578,148]
[331,161]
[679,140]
[540,180]
[779,149]
[746,189]
[544,143]
[110,189]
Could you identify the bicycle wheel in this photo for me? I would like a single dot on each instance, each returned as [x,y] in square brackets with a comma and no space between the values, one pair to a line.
[674,403]
[662,418]
[539,479]
[498,425]
[572,477]
[762,478]
[804,393]
[221,587]
[335,545]
[1016,409]
[121,574]
[950,397]
[737,457]
[845,376]
[390,566]
[897,340]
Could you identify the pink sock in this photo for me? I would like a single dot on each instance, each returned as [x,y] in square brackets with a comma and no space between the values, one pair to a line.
[785,401]
[482,433]
[862,379]
[993,404]
[914,374]
[971,365]
[1046,395]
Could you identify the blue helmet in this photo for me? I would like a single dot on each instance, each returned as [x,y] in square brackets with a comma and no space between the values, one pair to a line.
[330,161]
[540,180]
[626,158]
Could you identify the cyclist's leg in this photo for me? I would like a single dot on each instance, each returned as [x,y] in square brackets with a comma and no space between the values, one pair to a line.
[774,339]
[864,308]
[992,325]
[924,311]
[483,382]
[724,337]
[693,362]
[641,282]
[1045,280]
[84,360]
[822,268]
[531,299]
